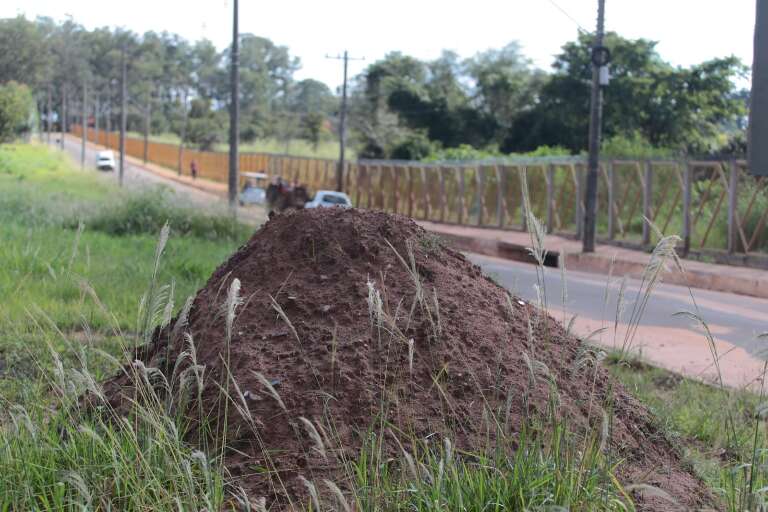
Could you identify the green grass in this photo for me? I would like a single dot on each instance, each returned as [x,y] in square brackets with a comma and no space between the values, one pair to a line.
[294,147]
[696,417]
[79,259]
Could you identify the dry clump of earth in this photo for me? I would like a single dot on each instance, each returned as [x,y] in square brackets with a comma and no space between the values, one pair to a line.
[346,317]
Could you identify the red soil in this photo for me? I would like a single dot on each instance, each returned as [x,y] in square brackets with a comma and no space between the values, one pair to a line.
[316,265]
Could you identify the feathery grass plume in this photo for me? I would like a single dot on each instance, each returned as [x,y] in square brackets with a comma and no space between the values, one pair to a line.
[74,479]
[271,389]
[281,312]
[183,318]
[150,301]
[537,234]
[319,447]
[168,311]
[375,307]
[660,258]
[231,304]
[75,245]
[408,458]
[20,417]
[410,356]
[312,490]
[342,501]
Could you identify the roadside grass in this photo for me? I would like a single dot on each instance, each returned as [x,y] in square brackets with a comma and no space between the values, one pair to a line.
[76,301]
[293,147]
[78,250]
[695,416]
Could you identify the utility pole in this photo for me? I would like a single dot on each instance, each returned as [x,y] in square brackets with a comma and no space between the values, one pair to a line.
[234,112]
[84,133]
[123,79]
[342,121]
[63,118]
[48,117]
[97,112]
[600,58]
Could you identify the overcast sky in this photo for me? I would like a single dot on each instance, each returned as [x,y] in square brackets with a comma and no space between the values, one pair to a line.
[688,31]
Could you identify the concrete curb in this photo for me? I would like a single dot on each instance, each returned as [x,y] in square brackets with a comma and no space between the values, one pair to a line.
[719,278]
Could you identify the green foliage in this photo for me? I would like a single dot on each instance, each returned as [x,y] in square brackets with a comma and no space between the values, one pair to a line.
[415,146]
[147,212]
[671,107]
[536,472]
[633,145]
[466,153]
[16,107]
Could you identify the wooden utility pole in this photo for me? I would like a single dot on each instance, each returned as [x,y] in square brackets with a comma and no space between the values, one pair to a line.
[600,58]
[234,112]
[63,120]
[84,132]
[342,122]
[48,116]
[123,100]
[757,150]
[147,125]
[96,114]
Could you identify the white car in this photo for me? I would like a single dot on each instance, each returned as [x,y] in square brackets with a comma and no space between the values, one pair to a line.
[105,161]
[327,198]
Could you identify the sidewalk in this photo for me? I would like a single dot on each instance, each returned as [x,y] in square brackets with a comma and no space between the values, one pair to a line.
[513,245]
[632,263]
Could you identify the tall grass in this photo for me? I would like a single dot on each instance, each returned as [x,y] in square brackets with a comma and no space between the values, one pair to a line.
[75,452]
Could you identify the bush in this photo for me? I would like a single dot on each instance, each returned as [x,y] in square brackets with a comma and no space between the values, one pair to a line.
[16,104]
[633,146]
[147,213]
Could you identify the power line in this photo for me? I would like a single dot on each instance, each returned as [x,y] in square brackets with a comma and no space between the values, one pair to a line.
[567,15]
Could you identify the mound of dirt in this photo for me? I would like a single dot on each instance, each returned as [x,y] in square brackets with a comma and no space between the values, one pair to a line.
[353,317]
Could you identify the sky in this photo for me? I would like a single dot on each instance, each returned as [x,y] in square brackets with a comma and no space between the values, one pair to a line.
[688,31]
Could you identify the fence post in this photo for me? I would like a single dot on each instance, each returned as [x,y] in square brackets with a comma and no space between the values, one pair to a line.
[461,195]
[500,213]
[733,198]
[479,179]
[611,201]
[396,182]
[425,194]
[409,170]
[647,202]
[523,184]
[577,185]
[441,191]
[550,198]
[686,208]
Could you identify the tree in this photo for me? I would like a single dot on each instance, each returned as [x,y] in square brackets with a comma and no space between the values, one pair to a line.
[674,107]
[25,56]
[16,108]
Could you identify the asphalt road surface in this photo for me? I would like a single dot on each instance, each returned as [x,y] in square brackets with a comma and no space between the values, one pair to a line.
[672,341]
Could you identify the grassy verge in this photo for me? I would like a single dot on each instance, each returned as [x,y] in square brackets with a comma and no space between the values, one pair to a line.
[83,281]
[294,147]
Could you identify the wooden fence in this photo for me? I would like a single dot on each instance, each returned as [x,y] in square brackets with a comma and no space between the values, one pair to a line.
[715,206]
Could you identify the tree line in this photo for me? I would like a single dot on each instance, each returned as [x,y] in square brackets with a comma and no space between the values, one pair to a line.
[495,102]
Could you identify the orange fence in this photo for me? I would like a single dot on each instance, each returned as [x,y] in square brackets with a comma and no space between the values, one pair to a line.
[714,205]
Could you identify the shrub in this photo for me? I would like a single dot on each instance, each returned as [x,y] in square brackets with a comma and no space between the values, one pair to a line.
[146,213]
[16,103]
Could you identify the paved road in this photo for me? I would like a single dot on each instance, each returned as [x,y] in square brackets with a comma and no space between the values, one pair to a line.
[672,341]
[136,178]
[664,339]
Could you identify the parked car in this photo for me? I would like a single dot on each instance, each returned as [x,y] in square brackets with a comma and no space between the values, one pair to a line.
[327,198]
[254,190]
[105,161]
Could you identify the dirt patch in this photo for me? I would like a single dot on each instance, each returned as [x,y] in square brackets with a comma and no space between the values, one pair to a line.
[471,351]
